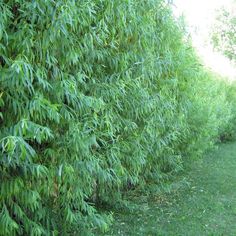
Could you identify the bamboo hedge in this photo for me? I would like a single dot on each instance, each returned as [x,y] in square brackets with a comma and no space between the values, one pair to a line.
[95,96]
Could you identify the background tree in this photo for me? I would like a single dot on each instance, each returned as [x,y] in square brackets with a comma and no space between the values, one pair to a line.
[224,31]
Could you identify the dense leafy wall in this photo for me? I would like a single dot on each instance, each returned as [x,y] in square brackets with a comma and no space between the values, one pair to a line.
[95,95]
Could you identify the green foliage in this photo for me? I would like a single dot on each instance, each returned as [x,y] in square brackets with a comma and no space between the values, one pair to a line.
[224,31]
[95,96]
[228,129]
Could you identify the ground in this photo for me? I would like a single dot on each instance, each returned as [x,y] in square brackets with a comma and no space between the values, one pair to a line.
[205,206]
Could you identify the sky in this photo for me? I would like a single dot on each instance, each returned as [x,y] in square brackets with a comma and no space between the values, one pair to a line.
[199,12]
[199,16]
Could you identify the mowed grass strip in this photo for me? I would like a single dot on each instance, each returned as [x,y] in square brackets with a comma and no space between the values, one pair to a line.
[206,207]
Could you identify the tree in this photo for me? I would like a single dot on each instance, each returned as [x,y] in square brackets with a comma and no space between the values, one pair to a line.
[224,32]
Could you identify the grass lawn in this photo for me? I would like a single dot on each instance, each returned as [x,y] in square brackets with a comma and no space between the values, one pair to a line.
[206,207]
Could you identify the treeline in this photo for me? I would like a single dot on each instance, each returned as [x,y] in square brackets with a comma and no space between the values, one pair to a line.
[96,96]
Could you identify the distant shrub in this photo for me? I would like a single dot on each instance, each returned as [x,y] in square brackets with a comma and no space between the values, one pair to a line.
[224,31]
[95,96]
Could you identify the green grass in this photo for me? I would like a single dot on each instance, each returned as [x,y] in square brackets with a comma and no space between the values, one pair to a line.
[206,207]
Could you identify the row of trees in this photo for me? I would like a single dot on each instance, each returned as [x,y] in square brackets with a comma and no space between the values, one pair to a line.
[95,96]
